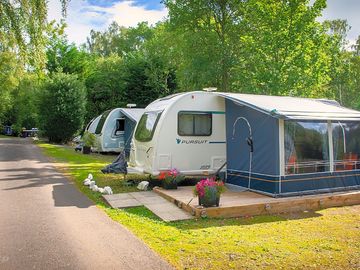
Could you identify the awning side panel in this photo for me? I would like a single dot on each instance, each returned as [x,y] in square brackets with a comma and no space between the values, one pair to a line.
[265,134]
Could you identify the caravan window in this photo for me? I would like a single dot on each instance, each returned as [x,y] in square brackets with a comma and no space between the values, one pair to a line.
[102,122]
[306,147]
[346,144]
[194,124]
[120,126]
[89,124]
[147,125]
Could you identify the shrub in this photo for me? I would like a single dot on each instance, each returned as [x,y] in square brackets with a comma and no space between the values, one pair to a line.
[62,107]
[89,139]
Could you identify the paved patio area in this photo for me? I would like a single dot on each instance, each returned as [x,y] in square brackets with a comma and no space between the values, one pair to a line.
[161,207]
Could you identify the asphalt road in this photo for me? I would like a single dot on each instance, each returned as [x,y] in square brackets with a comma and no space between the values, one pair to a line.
[46,223]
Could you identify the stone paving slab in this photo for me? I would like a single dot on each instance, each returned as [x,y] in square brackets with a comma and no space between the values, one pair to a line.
[125,203]
[144,195]
[168,212]
[161,207]
[116,197]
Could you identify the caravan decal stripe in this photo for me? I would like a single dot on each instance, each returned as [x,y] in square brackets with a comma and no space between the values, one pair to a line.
[216,112]
[217,142]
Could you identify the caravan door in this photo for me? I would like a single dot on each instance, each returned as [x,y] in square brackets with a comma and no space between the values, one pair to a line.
[144,141]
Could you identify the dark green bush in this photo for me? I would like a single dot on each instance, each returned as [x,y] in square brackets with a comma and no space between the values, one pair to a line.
[62,107]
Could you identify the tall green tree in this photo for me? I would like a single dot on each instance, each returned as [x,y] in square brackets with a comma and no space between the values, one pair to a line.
[105,85]
[345,69]
[65,57]
[22,29]
[25,108]
[118,39]
[285,50]
[10,73]
[208,33]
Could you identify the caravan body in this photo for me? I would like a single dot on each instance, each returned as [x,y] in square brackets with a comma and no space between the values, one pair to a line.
[185,131]
[115,129]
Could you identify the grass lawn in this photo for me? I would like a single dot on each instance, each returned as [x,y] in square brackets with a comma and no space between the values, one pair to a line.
[5,136]
[326,239]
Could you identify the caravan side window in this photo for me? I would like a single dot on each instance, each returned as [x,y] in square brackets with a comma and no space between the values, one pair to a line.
[194,123]
[120,126]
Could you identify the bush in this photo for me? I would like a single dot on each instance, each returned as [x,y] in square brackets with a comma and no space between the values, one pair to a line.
[62,107]
[89,139]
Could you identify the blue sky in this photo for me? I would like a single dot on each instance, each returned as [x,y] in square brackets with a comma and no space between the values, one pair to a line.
[84,15]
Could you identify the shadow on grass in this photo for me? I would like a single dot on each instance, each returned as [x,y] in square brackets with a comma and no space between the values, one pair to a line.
[203,223]
[143,212]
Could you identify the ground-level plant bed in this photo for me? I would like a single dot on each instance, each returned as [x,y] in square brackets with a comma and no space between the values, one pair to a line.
[326,239]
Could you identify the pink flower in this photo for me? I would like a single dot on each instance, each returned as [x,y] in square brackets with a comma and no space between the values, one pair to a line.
[202,185]
[174,172]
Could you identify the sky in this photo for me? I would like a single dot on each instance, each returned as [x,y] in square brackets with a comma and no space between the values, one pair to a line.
[84,15]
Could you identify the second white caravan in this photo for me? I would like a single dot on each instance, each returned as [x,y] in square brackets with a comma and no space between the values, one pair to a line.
[185,131]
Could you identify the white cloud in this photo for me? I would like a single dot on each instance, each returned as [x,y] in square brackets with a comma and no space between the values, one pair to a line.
[82,16]
[127,14]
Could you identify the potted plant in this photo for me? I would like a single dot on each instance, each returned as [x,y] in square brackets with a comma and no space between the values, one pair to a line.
[171,179]
[209,192]
[89,140]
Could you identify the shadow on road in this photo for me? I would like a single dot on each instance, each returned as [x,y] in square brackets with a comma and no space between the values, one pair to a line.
[64,193]
[67,195]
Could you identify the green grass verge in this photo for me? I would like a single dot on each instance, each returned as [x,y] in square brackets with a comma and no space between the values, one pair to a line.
[327,239]
[6,137]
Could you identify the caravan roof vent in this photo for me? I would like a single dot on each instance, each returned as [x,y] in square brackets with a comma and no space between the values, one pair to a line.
[131,105]
[210,89]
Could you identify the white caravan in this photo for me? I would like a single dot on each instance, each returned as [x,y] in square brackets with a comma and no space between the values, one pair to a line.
[115,128]
[185,131]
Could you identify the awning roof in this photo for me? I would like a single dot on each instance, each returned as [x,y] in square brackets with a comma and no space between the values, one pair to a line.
[133,113]
[294,107]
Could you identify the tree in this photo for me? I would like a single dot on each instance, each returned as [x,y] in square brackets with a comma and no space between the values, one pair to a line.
[105,85]
[62,56]
[146,79]
[10,72]
[62,107]
[285,50]
[208,33]
[345,69]
[24,111]
[119,40]
[22,29]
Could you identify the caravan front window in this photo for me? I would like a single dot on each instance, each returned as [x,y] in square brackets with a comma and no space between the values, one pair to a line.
[194,124]
[102,122]
[306,147]
[120,127]
[146,127]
